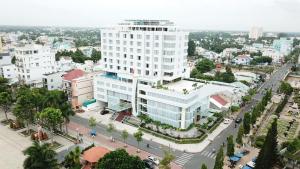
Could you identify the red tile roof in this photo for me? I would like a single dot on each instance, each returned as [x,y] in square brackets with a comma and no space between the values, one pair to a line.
[73,74]
[219,99]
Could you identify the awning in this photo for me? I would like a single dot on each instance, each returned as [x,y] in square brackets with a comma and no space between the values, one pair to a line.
[93,154]
[251,164]
[234,158]
[119,107]
[240,155]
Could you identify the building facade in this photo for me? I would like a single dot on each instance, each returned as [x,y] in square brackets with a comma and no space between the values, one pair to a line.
[53,81]
[32,61]
[256,32]
[145,63]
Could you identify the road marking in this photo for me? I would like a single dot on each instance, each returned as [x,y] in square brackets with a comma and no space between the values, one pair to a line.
[184,158]
[209,154]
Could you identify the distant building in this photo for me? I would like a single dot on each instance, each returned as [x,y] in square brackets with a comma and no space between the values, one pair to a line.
[32,61]
[283,45]
[242,60]
[9,72]
[65,63]
[276,56]
[256,32]
[246,76]
[53,81]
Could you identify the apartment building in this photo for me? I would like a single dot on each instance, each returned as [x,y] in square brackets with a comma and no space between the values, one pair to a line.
[53,81]
[32,61]
[256,32]
[145,63]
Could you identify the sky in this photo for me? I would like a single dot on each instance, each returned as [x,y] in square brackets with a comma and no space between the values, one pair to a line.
[272,15]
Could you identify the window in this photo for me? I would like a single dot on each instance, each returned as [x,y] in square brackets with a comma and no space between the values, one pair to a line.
[131,36]
[169,37]
[139,36]
[147,44]
[139,43]
[124,42]
[147,72]
[147,51]
[110,34]
[147,65]
[131,56]
[156,37]
[147,37]
[139,57]
[125,55]
[124,35]
[131,43]
[156,52]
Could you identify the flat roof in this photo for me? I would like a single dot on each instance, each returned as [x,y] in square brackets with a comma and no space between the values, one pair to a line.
[179,86]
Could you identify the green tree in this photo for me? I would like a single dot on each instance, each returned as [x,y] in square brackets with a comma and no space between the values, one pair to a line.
[286,88]
[165,163]
[268,155]
[191,48]
[125,135]
[24,109]
[40,156]
[96,55]
[219,162]
[110,129]
[205,65]
[72,160]
[246,123]
[139,137]
[120,159]
[203,166]
[67,111]
[239,138]
[50,118]
[230,146]
[3,84]
[92,122]
[5,102]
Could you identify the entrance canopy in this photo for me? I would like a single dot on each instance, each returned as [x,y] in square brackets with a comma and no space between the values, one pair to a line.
[119,107]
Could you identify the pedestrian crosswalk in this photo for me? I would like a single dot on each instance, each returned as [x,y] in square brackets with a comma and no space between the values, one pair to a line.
[184,158]
[209,154]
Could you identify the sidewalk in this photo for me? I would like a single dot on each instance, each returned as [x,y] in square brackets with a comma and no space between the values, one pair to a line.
[191,148]
[105,142]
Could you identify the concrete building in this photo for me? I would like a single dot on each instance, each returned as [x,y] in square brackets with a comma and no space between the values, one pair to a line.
[145,63]
[65,64]
[242,60]
[276,56]
[53,81]
[246,76]
[82,89]
[9,72]
[256,32]
[32,61]
[283,45]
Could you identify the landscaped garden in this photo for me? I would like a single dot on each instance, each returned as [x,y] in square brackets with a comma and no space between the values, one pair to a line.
[286,129]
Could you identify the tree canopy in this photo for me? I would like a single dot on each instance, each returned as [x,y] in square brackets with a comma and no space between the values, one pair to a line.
[191,48]
[120,159]
[40,156]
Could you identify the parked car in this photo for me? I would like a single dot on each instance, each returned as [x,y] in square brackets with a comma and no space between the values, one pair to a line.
[104,112]
[238,120]
[149,164]
[154,160]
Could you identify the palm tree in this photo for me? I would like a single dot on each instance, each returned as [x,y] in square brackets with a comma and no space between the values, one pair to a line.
[67,111]
[72,160]
[124,135]
[40,156]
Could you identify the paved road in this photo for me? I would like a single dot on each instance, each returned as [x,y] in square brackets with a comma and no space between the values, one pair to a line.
[207,156]
[190,160]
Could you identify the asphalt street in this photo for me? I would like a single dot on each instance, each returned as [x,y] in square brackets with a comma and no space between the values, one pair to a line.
[207,156]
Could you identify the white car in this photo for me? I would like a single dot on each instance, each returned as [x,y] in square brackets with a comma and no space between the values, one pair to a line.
[154,160]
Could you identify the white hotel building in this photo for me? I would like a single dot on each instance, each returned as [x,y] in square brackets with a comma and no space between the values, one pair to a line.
[145,62]
[32,61]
